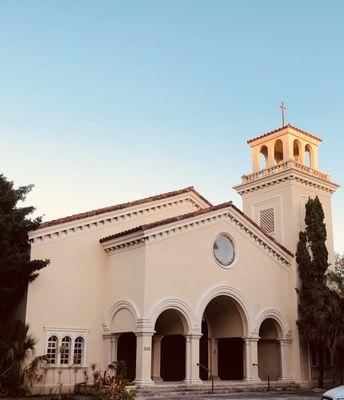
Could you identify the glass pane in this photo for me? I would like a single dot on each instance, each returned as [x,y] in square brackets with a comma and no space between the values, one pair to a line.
[224,250]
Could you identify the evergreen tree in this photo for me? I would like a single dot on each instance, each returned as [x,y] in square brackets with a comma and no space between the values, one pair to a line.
[335,279]
[16,269]
[312,259]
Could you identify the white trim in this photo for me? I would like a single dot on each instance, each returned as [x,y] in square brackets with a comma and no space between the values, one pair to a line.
[60,333]
[278,317]
[78,226]
[280,175]
[179,227]
[235,250]
[126,304]
[178,305]
[248,318]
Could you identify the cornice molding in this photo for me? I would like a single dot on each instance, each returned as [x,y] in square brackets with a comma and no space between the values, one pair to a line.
[149,236]
[283,176]
[92,223]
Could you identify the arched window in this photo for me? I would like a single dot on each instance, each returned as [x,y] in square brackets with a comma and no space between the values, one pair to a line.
[297,150]
[278,151]
[263,157]
[65,350]
[309,156]
[52,350]
[78,351]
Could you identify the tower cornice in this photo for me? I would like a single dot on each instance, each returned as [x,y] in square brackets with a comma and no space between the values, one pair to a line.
[287,171]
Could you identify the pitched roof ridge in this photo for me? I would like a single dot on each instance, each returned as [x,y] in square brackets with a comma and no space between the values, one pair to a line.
[165,221]
[280,129]
[263,231]
[86,214]
[142,228]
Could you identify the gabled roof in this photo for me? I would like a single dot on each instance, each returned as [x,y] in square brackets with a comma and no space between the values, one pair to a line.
[281,129]
[182,217]
[116,207]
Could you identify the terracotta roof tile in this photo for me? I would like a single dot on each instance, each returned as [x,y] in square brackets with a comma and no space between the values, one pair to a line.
[280,245]
[182,217]
[280,129]
[165,221]
[116,207]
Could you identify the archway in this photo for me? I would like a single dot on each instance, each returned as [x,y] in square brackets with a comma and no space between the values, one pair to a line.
[263,157]
[309,155]
[278,152]
[268,350]
[121,323]
[169,346]
[224,324]
[126,351]
[297,150]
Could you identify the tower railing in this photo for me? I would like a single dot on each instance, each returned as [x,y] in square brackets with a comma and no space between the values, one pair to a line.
[291,164]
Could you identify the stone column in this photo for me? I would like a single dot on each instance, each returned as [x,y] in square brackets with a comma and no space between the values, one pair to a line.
[284,345]
[214,357]
[143,358]
[157,358]
[107,349]
[114,346]
[271,155]
[250,358]
[288,150]
[255,160]
[192,359]
[302,154]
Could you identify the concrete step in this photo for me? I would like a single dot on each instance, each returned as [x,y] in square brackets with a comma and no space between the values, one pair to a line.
[170,389]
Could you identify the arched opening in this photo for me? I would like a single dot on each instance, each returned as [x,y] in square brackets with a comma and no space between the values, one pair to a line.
[123,341]
[224,326]
[126,351]
[268,350]
[169,346]
[263,157]
[309,156]
[204,352]
[278,152]
[297,150]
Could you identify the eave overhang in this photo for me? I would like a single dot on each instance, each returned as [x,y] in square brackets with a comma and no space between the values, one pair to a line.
[283,173]
[145,235]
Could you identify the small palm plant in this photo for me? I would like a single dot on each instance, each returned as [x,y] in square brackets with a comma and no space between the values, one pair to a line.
[16,347]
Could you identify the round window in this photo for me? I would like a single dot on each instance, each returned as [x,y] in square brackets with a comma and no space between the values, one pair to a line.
[224,250]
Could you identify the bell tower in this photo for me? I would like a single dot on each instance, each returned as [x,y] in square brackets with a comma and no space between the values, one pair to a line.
[285,174]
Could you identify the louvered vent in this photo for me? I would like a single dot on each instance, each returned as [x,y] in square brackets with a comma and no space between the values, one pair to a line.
[267,220]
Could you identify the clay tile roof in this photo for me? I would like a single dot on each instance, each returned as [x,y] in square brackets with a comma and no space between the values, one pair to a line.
[182,217]
[116,207]
[281,129]
[280,245]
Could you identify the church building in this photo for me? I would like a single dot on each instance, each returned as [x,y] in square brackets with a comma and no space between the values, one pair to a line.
[179,288]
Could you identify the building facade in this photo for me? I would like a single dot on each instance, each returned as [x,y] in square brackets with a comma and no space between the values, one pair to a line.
[170,282]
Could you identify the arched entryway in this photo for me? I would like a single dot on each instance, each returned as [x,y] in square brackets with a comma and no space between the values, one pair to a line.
[169,346]
[278,152]
[126,351]
[121,343]
[297,150]
[309,156]
[269,358]
[223,325]
[263,157]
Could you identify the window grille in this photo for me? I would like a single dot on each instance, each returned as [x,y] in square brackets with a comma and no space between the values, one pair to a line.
[65,350]
[78,350]
[52,350]
[267,220]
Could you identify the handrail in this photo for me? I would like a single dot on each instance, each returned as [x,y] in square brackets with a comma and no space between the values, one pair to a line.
[282,167]
[259,367]
[211,375]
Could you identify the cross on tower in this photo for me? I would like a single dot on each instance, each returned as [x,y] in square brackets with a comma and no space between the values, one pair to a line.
[282,107]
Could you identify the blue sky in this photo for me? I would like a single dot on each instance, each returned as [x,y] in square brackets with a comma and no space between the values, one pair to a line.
[108,101]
